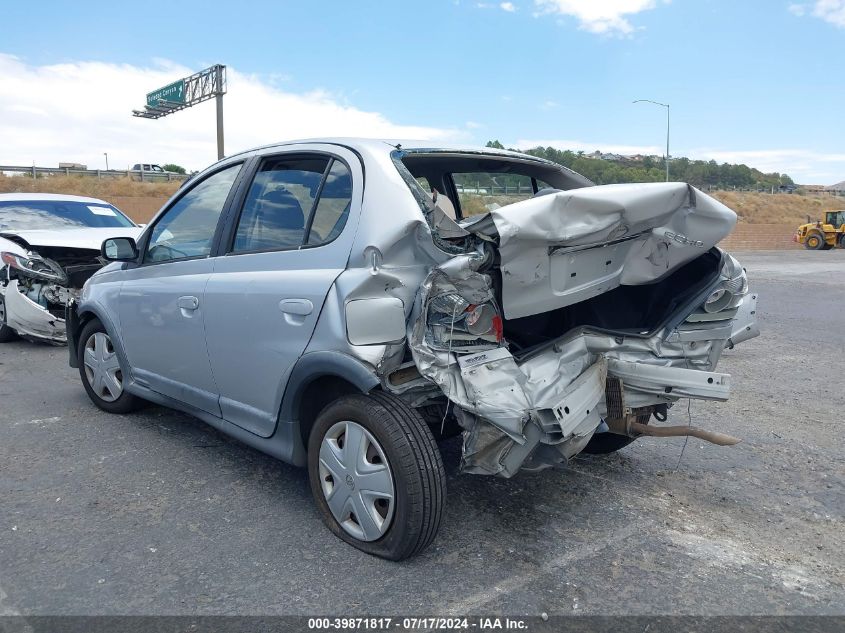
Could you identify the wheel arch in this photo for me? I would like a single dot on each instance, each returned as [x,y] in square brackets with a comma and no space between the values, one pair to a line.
[77,317]
[317,379]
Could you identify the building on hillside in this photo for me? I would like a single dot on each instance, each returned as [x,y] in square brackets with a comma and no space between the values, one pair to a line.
[597,155]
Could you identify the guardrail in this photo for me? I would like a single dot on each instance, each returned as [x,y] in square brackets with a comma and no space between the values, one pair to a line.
[491,190]
[144,176]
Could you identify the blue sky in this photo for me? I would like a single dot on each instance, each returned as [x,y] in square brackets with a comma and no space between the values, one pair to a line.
[757,81]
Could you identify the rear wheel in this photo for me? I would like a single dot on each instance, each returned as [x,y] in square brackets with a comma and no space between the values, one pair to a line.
[842,241]
[100,370]
[814,242]
[376,475]
[6,333]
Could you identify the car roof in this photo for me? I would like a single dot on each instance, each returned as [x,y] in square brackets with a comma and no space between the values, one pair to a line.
[388,145]
[48,197]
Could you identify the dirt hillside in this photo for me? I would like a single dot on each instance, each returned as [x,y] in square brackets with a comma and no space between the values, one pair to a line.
[752,207]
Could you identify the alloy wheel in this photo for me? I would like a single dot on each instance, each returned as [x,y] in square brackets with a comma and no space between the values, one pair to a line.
[356,481]
[102,367]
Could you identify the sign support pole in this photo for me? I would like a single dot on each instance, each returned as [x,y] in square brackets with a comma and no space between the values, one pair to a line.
[219,100]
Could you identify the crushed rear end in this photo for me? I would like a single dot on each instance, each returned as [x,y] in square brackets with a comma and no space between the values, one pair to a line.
[580,312]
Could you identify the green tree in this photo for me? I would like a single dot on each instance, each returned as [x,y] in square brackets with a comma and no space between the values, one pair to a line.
[176,169]
[699,173]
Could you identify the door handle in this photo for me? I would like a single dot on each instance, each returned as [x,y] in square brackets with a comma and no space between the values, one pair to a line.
[188,303]
[298,307]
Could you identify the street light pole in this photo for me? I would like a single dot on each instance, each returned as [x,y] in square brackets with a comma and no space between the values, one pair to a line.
[664,105]
[106,154]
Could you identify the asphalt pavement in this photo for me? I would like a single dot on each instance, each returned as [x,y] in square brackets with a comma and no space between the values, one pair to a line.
[157,513]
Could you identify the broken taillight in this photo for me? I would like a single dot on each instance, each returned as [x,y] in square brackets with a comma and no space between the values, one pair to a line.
[455,324]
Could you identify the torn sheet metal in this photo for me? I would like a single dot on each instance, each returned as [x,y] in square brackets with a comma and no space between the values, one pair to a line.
[744,325]
[31,320]
[538,410]
[569,246]
[678,382]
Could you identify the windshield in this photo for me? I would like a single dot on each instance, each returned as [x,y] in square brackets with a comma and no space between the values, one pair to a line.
[59,214]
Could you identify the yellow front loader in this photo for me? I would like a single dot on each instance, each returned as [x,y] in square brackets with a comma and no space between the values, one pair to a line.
[823,235]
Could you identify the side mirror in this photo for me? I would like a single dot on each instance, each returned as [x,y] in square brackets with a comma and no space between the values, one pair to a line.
[119,249]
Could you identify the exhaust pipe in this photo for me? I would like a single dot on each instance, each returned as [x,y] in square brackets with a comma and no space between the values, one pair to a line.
[721,439]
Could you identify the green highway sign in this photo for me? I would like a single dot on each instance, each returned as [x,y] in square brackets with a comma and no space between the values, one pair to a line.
[175,93]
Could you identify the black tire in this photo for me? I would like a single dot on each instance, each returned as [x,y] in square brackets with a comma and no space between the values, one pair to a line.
[814,241]
[6,333]
[419,479]
[606,443]
[842,241]
[126,403]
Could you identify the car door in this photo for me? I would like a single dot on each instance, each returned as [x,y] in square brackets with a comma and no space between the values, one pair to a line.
[287,246]
[161,304]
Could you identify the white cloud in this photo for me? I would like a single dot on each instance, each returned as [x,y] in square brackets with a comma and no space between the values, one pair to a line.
[599,16]
[831,11]
[73,112]
[507,6]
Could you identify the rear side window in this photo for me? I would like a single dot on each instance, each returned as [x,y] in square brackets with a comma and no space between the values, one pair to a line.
[292,202]
[278,204]
[332,210]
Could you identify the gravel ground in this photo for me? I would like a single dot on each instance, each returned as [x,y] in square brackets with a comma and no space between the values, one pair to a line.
[156,513]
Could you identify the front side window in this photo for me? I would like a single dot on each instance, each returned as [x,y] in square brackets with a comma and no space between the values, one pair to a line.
[294,201]
[187,229]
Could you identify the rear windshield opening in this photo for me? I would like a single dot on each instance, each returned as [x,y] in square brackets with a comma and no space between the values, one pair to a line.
[477,183]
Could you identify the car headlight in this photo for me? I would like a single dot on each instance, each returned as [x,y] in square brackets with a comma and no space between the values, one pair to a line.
[35,267]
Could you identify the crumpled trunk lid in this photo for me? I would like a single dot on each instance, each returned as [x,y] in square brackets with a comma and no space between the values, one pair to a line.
[563,248]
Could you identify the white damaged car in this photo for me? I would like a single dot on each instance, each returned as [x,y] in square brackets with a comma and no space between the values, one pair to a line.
[341,304]
[49,247]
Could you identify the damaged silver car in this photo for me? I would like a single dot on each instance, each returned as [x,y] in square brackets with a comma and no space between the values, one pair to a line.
[342,304]
[49,247]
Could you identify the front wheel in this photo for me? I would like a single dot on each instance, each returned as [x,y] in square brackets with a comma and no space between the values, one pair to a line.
[376,475]
[6,333]
[814,242]
[100,370]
